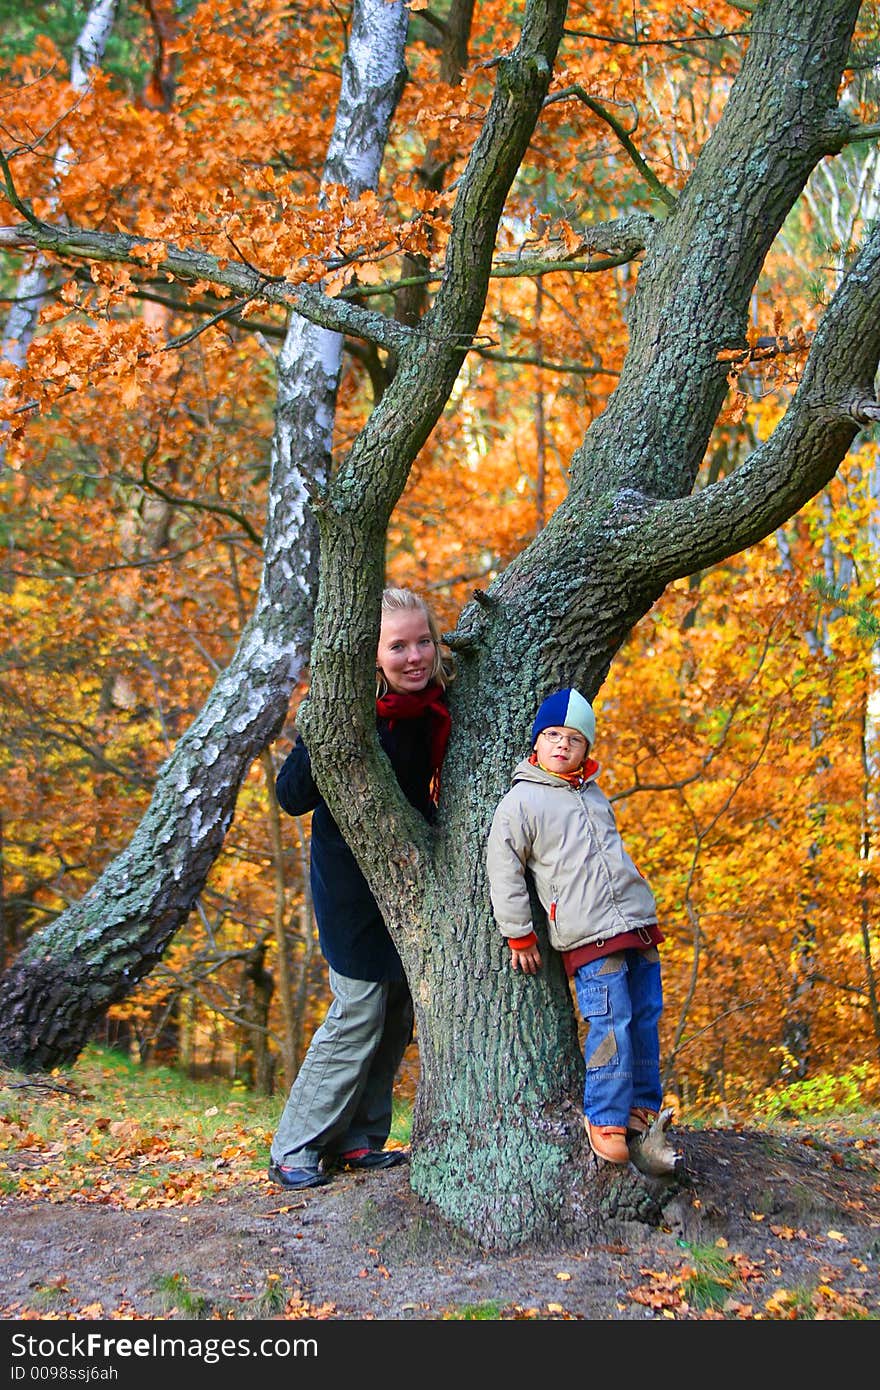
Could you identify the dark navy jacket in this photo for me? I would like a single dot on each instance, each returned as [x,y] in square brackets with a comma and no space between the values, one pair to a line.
[352,933]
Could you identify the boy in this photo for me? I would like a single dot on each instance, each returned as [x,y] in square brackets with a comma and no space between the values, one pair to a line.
[601,915]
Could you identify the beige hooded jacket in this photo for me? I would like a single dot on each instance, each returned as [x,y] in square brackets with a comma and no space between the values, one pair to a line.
[567,836]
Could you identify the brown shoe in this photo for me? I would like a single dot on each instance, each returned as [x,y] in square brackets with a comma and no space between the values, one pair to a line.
[639,1122]
[608,1142]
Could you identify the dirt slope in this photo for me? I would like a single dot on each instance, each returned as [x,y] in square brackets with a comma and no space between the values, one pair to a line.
[790,1223]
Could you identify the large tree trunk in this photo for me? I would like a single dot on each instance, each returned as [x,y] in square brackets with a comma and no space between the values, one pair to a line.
[498,1140]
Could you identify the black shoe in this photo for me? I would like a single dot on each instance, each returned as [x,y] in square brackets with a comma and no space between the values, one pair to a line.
[297,1177]
[373,1158]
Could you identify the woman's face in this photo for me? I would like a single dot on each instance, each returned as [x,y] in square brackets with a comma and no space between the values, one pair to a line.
[406,651]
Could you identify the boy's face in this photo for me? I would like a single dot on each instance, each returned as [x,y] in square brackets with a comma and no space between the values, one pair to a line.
[561,749]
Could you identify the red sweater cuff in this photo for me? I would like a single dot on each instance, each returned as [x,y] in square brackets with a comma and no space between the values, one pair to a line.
[522,943]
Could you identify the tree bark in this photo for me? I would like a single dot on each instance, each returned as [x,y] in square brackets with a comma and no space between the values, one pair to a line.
[498,1144]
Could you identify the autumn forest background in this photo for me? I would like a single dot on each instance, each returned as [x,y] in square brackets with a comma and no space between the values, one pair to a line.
[737,730]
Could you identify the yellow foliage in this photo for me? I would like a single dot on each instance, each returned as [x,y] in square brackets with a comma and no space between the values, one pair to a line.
[732,725]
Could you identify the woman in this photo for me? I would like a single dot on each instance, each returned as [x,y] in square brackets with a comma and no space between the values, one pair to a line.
[338,1113]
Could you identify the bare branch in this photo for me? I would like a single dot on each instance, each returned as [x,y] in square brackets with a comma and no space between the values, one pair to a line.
[193,266]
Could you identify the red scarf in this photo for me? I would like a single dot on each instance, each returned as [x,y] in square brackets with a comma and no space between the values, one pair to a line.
[394,705]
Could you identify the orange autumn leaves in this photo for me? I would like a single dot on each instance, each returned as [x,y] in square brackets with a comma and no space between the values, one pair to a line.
[132,526]
[736,750]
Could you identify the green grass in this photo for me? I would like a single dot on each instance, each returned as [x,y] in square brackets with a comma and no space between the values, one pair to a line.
[474,1312]
[106,1127]
[272,1299]
[829,1098]
[148,1124]
[801,1300]
[401,1121]
[48,1297]
[713,1280]
[803,1303]
[153,1126]
[108,1086]
[175,1294]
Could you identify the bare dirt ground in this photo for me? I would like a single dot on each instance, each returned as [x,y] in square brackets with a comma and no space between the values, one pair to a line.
[790,1222]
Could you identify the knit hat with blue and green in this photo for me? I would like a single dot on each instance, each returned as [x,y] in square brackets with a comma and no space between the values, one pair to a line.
[566,709]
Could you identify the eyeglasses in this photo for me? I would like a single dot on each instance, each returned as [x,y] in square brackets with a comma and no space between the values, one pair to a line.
[554,736]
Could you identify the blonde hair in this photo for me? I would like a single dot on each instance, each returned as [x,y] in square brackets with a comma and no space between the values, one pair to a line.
[406,601]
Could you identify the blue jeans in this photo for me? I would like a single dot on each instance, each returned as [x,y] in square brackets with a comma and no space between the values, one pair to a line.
[621,999]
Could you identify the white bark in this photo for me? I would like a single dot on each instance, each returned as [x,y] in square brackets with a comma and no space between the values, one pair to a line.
[309,362]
